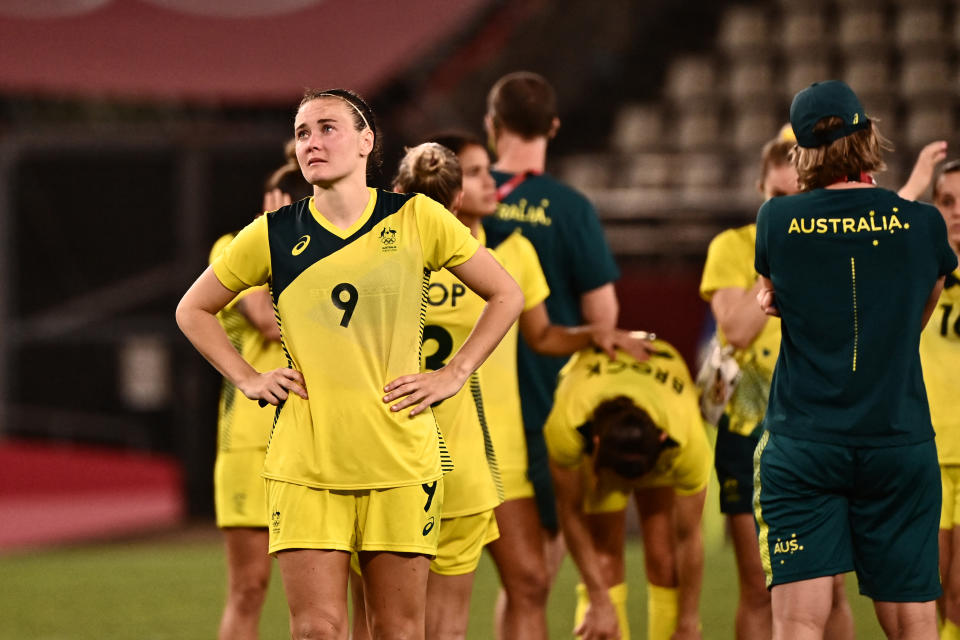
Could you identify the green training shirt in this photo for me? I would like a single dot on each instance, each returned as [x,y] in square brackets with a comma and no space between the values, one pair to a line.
[852,270]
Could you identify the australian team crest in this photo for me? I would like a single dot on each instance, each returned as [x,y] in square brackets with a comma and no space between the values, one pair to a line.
[388,239]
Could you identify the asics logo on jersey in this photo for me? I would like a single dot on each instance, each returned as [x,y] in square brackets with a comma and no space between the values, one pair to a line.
[427,528]
[300,246]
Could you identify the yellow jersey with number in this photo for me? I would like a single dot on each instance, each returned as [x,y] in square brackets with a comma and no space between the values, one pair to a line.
[940,359]
[661,386]
[474,485]
[241,423]
[351,305]
[499,373]
[729,263]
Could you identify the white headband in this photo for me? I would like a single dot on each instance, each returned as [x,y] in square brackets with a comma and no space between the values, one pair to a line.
[355,108]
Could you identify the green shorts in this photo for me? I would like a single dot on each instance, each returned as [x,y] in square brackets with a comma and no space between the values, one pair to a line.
[733,460]
[825,509]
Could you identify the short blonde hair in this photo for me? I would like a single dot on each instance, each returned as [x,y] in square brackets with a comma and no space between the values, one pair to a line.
[430,169]
[851,155]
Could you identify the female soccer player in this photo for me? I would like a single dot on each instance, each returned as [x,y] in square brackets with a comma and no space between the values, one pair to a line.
[620,428]
[846,474]
[242,432]
[730,284]
[564,229]
[940,356]
[356,465]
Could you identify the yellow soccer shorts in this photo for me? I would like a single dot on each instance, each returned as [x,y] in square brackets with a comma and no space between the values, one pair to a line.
[399,520]
[950,507]
[462,540]
[239,496]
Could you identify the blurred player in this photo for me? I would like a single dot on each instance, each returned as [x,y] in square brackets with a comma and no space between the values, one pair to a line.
[620,428]
[940,356]
[518,553]
[564,229]
[348,273]
[242,432]
[730,284]
[845,469]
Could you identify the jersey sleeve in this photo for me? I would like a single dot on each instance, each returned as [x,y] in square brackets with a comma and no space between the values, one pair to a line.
[564,443]
[692,472]
[446,242]
[761,261]
[588,247]
[724,267]
[531,279]
[245,261]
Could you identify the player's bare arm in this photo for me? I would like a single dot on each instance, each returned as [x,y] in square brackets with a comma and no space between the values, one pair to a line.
[600,307]
[931,304]
[257,307]
[737,314]
[196,316]
[485,277]
[600,620]
[557,340]
[766,297]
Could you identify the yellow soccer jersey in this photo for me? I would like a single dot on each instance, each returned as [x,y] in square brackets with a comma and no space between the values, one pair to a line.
[730,264]
[499,373]
[352,304]
[241,423]
[940,359]
[661,386]
[474,485]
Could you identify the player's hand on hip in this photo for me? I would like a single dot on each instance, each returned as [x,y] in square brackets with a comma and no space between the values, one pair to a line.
[421,390]
[599,622]
[274,386]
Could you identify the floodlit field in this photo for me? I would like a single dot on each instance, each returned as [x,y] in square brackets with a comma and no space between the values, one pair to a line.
[173,588]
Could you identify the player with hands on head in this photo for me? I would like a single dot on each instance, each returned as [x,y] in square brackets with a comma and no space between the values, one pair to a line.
[620,429]
[357,465]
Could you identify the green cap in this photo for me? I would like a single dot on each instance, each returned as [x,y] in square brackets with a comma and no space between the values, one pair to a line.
[822,100]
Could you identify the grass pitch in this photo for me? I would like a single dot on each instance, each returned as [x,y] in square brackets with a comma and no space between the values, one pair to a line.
[173,588]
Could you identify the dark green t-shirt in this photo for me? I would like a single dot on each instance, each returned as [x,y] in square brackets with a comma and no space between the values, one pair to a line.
[563,227]
[852,270]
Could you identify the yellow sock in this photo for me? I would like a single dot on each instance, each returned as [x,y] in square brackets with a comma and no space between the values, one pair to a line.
[618,596]
[661,612]
[949,631]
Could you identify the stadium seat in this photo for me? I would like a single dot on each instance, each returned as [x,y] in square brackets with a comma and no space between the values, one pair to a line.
[749,80]
[802,31]
[647,170]
[691,78]
[744,31]
[927,123]
[861,28]
[587,171]
[702,171]
[802,72]
[919,28]
[926,77]
[869,76]
[697,130]
[637,126]
[753,127]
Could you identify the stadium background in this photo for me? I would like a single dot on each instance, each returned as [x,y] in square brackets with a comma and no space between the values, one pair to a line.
[134,132]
